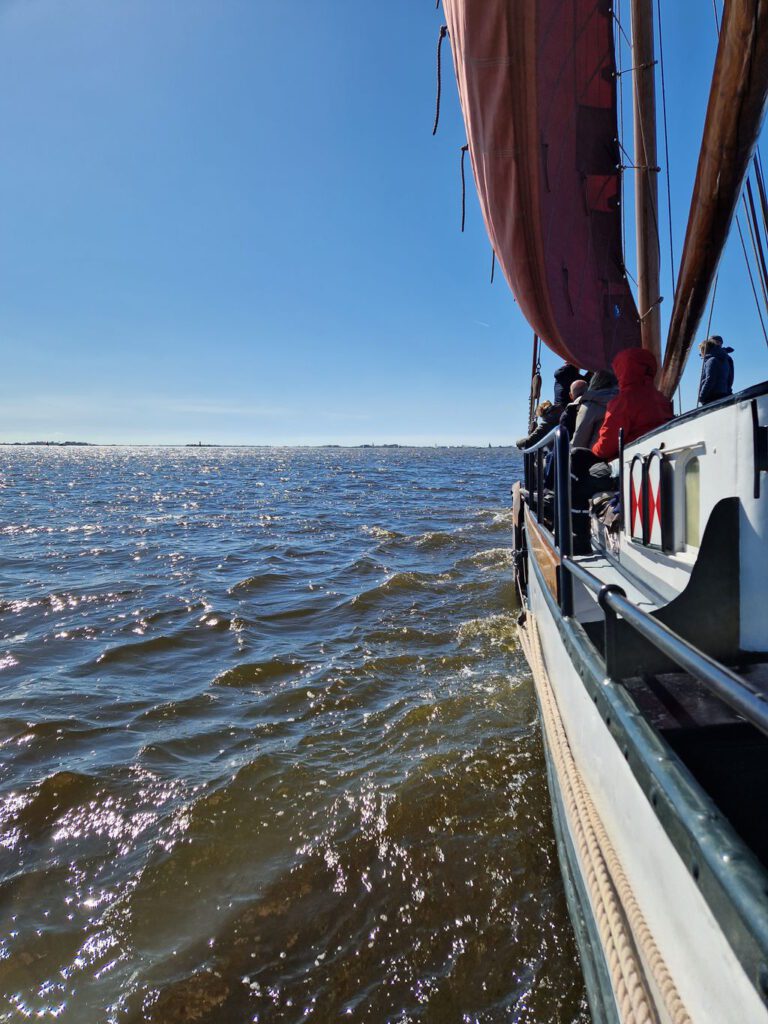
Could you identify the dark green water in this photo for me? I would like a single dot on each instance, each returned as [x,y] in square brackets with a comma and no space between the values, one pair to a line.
[268,748]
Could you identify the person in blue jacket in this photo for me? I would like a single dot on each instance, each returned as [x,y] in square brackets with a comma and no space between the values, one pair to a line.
[716,372]
[719,341]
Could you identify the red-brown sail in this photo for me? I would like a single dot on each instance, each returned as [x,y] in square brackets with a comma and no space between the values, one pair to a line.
[538,92]
[736,109]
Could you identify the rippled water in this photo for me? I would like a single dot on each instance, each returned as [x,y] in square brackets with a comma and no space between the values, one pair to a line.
[269,751]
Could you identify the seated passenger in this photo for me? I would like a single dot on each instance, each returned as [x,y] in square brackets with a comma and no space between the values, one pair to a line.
[569,417]
[716,372]
[638,407]
[549,417]
[565,375]
[602,388]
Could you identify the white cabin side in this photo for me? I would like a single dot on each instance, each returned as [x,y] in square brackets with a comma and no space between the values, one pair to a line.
[687,468]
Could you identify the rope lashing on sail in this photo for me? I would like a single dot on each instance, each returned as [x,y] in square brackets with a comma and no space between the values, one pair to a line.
[650,309]
[637,67]
[464,149]
[634,961]
[440,38]
[636,167]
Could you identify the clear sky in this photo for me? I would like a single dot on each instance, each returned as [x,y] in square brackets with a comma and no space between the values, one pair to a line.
[228,221]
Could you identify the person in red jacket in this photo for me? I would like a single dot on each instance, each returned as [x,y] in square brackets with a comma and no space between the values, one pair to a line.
[638,407]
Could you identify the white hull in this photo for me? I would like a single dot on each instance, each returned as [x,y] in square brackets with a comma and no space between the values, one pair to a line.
[712,983]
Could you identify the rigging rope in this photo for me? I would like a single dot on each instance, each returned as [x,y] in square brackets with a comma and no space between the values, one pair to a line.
[493,264]
[443,34]
[757,243]
[758,268]
[758,165]
[666,147]
[751,279]
[464,149]
[712,304]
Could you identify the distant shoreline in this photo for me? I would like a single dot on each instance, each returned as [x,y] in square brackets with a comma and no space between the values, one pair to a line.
[178,444]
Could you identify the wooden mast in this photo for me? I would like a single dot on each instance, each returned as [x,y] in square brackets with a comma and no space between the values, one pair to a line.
[737,105]
[646,176]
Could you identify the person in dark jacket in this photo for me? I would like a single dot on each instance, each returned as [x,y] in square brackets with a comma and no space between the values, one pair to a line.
[568,418]
[639,405]
[549,417]
[565,375]
[719,341]
[716,372]
[603,386]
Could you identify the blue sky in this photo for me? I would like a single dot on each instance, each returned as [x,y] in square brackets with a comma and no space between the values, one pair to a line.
[228,221]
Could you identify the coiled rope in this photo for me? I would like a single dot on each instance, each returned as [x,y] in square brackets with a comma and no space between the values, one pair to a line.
[628,945]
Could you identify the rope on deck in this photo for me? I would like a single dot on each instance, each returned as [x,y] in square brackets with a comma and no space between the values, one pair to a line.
[628,945]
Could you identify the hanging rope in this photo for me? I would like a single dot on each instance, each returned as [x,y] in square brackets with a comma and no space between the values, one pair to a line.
[464,149]
[666,147]
[443,34]
[493,264]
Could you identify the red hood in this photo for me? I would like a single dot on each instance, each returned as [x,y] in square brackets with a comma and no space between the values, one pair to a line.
[635,367]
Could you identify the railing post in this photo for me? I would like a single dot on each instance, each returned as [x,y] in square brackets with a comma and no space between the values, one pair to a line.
[621,475]
[610,631]
[563,516]
[539,485]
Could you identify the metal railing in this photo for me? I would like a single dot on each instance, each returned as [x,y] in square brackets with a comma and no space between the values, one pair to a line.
[731,688]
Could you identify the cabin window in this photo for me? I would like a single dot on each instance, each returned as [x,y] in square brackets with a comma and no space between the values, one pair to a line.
[692,530]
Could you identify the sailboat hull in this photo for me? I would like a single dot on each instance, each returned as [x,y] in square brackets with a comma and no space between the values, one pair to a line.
[671,925]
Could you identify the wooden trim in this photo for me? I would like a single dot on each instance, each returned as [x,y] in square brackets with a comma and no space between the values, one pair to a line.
[541,548]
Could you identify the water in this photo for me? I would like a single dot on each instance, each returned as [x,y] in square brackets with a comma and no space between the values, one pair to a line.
[269,751]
